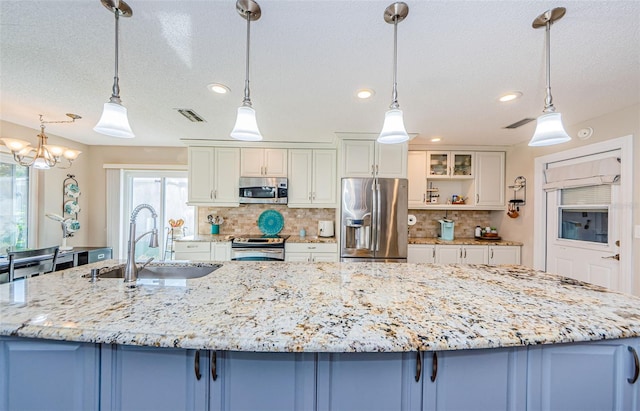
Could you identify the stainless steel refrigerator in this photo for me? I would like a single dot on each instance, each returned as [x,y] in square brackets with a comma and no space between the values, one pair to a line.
[374,219]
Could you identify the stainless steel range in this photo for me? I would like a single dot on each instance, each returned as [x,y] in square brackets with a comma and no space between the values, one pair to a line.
[258,248]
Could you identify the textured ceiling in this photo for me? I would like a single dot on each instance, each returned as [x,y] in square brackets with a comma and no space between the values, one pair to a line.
[308,58]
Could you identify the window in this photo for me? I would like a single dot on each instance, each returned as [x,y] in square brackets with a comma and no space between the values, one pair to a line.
[166,192]
[14,204]
[584,213]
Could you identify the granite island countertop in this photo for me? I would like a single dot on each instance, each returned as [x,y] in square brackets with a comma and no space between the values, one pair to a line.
[321,307]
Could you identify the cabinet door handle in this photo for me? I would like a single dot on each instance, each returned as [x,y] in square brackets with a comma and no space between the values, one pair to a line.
[461,253]
[636,362]
[450,171]
[424,198]
[309,195]
[100,256]
[434,252]
[372,170]
[214,361]
[215,194]
[477,198]
[465,253]
[492,253]
[434,367]
[196,365]
[418,367]
[376,169]
[211,194]
[314,196]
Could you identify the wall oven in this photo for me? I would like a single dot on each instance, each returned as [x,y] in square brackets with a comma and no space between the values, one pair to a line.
[263,190]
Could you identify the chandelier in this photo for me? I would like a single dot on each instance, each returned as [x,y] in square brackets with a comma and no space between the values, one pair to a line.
[44,156]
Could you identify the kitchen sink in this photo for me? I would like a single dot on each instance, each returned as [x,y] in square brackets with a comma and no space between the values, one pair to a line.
[162,272]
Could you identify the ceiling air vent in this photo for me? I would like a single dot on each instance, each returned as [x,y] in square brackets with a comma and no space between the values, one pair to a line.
[190,115]
[520,123]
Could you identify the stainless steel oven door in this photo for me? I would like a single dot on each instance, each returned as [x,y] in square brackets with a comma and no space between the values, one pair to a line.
[257,254]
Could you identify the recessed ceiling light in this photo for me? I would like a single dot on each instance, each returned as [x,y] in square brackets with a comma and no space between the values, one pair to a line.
[365,93]
[512,95]
[218,88]
[435,139]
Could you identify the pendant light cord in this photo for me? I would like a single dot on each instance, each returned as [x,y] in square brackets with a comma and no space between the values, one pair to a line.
[115,95]
[548,101]
[247,98]
[394,93]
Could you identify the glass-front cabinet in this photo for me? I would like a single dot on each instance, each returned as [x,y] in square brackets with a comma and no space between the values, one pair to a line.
[450,164]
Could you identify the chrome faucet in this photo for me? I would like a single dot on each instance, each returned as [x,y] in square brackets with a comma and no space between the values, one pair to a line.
[131,269]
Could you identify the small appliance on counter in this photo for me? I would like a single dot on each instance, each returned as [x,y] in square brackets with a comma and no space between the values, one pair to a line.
[446,229]
[325,228]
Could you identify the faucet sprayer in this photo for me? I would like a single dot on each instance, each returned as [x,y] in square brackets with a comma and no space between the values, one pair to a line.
[131,269]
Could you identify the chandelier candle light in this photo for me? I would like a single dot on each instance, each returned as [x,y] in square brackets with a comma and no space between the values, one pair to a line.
[46,156]
[393,130]
[246,127]
[549,128]
[114,121]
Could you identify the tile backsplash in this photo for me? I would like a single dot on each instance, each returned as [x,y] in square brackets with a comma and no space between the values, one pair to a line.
[427,224]
[244,219]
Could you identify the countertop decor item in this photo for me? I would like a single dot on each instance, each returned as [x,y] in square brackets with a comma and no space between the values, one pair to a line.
[270,222]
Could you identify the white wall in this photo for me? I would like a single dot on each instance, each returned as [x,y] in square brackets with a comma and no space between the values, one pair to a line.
[520,161]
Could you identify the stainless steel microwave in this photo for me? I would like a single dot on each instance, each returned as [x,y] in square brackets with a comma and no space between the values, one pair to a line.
[263,190]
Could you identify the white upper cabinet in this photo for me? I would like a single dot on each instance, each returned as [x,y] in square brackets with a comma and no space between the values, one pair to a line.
[213,175]
[450,164]
[417,170]
[312,178]
[366,158]
[490,178]
[263,162]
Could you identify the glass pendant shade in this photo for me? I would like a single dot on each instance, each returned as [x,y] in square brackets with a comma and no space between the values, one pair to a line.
[246,128]
[114,121]
[393,131]
[40,163]
[549,131]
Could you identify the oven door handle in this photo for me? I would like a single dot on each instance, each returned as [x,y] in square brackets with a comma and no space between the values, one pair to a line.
[257,250]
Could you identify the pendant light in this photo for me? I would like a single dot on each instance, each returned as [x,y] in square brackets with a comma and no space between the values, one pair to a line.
[549,128]
[393,130]
[114,121]
[246,127]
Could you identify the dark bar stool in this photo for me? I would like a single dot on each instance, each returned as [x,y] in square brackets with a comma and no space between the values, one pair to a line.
[27,263]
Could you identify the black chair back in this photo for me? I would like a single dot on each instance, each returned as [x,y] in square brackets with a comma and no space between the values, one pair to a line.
[32,262]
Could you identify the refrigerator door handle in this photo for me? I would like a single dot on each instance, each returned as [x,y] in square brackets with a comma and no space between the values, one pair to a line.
[378,217]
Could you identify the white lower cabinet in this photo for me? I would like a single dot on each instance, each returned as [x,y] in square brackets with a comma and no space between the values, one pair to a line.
[262,381]
[504,254]
[311,252]
[48,375]
[462,254]
[421,253]
[221,251]
[368,381]
[584,376]
[193,250]
[480,380]
[203,250]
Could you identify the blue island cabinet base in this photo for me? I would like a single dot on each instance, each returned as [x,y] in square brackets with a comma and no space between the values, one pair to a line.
[48,375]
[138,378]
[592,376]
